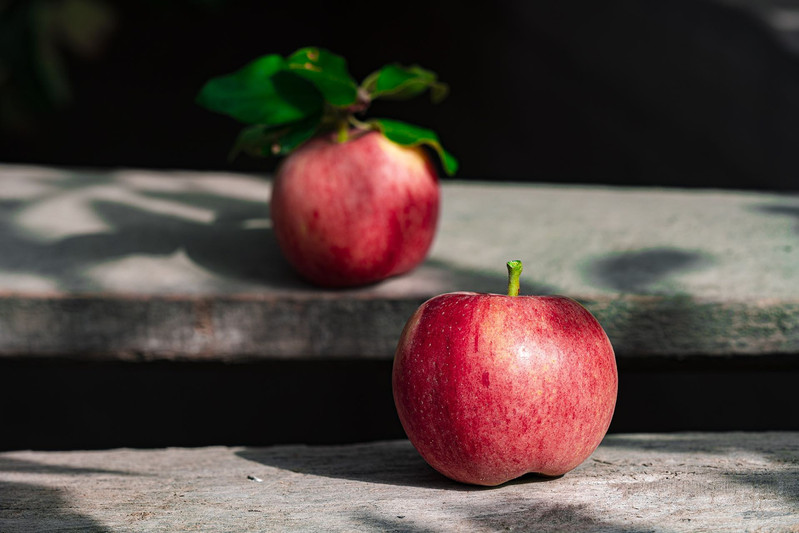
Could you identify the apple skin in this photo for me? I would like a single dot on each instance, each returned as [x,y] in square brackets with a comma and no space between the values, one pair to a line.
[491,387]
[357,212]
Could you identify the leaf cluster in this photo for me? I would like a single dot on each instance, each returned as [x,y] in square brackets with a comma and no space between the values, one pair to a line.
[286,101]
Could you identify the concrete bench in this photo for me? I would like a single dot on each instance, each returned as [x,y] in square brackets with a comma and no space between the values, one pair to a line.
[143,265]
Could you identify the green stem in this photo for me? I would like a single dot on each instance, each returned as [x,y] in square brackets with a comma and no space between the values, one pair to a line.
[343,131]
[514,271]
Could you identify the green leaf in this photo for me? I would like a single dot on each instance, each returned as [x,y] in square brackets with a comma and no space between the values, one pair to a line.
[287,101]
[399,83]
[262,92]
[298,133]
[262,141]
[253,140]
[410,135]
[327,71]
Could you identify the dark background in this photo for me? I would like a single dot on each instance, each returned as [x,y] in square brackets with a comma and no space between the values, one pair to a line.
[679,93]
[75,405]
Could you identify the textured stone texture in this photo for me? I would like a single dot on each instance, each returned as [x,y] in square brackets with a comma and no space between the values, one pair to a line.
[183,265]
[633,482]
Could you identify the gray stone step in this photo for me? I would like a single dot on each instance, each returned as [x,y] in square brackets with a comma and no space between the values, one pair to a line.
[133,264]
[721,482]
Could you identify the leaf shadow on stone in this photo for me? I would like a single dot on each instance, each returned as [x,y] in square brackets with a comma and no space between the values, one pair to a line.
[373,521]
[16,465]
[389,463]
[515,513]
[520,512]
[781,210]
[782,450]
[227,246]
[664,315]
[640,271]
[28,507]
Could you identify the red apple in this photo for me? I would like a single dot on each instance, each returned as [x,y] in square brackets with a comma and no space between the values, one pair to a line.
[491,387]
[355,212]
[356,200]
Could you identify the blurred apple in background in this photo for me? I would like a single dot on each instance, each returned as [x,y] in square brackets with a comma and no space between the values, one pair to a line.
[355,212]
[355,201]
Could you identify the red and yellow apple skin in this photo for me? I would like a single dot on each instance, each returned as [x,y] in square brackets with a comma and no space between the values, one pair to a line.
[491,387]
[357,212]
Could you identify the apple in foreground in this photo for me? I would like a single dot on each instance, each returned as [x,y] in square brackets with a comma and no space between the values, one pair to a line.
[490,387]
[355,212]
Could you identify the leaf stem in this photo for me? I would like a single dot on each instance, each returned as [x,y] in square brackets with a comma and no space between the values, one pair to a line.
[359,124]
[514,271]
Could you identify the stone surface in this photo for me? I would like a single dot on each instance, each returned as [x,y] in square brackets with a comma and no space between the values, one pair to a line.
[131,264]
[633,482]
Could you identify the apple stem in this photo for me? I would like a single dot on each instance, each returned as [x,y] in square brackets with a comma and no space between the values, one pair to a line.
[514,271]
[343,132]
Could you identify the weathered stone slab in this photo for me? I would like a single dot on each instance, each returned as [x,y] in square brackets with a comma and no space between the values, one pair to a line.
[633,482]
[183,265]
